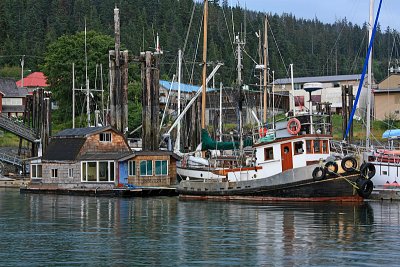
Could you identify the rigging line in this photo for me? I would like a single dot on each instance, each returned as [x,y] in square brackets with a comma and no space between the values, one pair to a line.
[353,65]
[190,26]
[197,48]
[229,32]
[279,51]
[255,62]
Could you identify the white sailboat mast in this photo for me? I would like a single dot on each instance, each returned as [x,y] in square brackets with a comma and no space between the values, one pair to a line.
[178,132]
[87,83]
[369,91]
[293,102]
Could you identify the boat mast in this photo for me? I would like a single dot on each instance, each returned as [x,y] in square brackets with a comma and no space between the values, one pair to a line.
[368,130]
[293,102]
[266,80]
[178,129]
[239,82]
[204,82]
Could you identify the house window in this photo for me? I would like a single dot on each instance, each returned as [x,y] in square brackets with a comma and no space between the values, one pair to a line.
[309,147]
[36,171]
[70,173]
[298,86]
[105,137]
[131,168]
[54,173]
[91,171]
[268,153]
[146,168]
[316,99]
[299,101]
[161,167]
[98,171]
[298,147]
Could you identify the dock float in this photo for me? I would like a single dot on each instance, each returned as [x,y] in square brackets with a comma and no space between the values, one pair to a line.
[115,192]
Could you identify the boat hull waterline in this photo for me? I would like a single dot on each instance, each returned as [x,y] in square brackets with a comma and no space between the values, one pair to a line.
[330,189]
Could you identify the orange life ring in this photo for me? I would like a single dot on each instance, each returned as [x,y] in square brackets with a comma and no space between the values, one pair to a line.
[293,126]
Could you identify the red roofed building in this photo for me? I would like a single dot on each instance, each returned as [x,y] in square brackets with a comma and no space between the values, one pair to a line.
[34,80]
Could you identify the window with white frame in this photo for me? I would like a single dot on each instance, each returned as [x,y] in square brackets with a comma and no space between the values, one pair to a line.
[131,168]
[54,173]
[105,137]
[146,168]
[36,171]
[70,173]
[97,171]
[161,167]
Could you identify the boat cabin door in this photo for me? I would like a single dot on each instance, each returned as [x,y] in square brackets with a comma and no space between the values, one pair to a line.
[286,156]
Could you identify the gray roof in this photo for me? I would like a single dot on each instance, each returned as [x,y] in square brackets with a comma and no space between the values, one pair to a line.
[9,88]
[104,155]
[321,79]
[63,149]
[81,132]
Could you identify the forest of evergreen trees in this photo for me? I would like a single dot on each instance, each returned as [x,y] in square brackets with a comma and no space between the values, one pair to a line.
[27,27]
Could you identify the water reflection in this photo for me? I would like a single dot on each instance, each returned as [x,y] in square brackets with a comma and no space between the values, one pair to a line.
[71,230]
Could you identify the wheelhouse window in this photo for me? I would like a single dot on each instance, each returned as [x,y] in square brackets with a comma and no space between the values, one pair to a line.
[268,153]
[309,146]
[105,137]
[317,146]
[131,168]
[325,147]
[146,168]
[36,171]
[161,167]
[98,171]
[298,147]
[54,173]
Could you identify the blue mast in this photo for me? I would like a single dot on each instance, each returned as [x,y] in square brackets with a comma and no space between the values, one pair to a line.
[363,72]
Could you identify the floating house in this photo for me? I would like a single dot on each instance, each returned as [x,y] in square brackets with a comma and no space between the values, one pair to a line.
[99,157]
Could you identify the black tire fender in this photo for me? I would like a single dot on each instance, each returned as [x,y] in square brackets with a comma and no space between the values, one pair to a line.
[331,167]
[365,187]
[348,164]
[318,173]
[368,170]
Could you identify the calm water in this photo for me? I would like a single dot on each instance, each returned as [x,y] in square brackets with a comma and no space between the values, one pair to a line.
[43,230]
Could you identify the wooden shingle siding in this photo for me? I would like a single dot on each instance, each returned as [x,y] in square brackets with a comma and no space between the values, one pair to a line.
[93,144]
[164,180]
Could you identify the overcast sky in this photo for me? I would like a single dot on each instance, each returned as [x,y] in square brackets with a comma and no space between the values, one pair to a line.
[356,11]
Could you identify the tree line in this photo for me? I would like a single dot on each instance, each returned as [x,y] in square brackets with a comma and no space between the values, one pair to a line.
[47,32]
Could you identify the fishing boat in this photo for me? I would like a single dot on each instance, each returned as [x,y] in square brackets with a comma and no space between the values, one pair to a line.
[289,161]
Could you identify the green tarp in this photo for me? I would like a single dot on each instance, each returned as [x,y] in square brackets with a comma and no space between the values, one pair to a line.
[209,143]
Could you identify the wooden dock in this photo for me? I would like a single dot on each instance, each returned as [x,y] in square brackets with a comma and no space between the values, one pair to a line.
[99,192]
